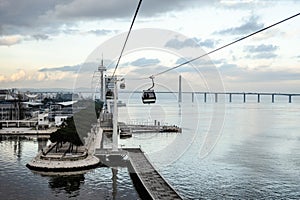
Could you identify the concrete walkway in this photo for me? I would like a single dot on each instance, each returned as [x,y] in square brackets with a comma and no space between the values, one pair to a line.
[153,182]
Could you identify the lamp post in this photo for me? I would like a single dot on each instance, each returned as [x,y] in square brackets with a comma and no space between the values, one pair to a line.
[115,118]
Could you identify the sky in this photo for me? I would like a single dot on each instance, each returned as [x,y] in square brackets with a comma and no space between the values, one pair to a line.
[60,43]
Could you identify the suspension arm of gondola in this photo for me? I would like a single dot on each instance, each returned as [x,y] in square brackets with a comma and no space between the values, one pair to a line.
[152,78]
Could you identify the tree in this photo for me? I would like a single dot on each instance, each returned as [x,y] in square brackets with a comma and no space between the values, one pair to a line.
[75,134]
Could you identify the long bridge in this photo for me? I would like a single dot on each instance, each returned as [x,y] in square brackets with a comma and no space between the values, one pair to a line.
[216,95]
[243,94]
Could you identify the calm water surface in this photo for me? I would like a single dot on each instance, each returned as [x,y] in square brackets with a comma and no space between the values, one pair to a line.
[251,151]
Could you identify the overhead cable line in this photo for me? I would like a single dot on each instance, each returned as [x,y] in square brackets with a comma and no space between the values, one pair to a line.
[222,47]
[135,14]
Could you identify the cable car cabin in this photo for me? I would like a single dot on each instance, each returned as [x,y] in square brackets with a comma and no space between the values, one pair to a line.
[109,95]
[148,96]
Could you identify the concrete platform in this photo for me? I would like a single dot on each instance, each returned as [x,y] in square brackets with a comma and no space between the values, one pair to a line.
[60,162]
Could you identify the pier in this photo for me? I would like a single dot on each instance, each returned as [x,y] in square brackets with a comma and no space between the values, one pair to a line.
[148,181]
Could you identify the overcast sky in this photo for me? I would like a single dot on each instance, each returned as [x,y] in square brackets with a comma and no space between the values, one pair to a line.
[45,43]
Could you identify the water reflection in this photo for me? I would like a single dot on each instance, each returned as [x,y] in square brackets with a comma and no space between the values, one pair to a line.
[114,182]
[68,183]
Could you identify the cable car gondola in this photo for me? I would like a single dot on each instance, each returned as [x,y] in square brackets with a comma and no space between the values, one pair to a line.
[149,95]
[109,94]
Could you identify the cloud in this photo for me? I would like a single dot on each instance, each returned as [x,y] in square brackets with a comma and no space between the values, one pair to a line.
[264,55]
[261,51]
[84,67]
[102,31]
[175,43]
[144,62]
[249,26]
[61,69]
[238,74]
[261,48]
[20,75]
[3,78]
[16,15]
[40,37]
[10,40]
[48,16]
[87,9]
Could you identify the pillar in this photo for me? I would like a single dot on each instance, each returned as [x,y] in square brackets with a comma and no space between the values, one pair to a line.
[290,98]
[244,97]
[258,98]
[193,96]
[179,91]
[273,98]
[216,97]
[230,97]
[205,97]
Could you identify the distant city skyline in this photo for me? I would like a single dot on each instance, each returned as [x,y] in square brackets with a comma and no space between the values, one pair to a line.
[43,44]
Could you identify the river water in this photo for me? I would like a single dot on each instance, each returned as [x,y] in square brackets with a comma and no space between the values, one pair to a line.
[225,151]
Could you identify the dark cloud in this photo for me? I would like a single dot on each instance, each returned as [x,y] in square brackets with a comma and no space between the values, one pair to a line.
[249,26]
[85,67]
[61,69]
[120,9]
[141,62]
[190,42]
[40,37]
[23,17]
[209,43]
[261,48]
[264,55]
[16,15]
[261,51]
[177,44]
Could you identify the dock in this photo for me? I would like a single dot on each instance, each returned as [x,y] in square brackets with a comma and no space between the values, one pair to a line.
[147,180]
[149,128]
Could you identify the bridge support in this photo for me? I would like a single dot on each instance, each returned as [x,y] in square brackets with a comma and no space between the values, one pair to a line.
[290,98]
[244,98]
[205,97]
[258,98]
[273,98]
[193,94]
[230,97]
[179,91]
[216,97]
